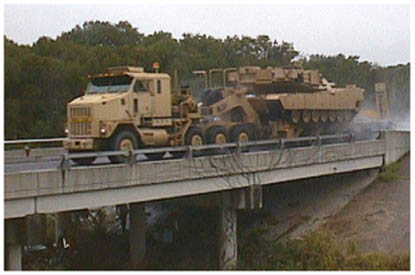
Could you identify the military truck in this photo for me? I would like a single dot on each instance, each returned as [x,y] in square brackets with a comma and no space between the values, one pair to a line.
[128,108]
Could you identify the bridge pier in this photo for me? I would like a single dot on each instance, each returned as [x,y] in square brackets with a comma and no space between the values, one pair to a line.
[63,222]
[248,198]
[227,238]
[13,244]
[137,236]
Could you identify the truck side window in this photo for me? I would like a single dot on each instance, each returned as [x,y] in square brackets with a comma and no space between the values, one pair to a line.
[159,86]
[141,86]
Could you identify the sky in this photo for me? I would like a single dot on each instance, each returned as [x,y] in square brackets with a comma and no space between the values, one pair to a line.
[378,33]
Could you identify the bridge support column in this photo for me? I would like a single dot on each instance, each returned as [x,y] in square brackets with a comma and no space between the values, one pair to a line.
[227,238]
[13,244]
[63,222]
[137,236]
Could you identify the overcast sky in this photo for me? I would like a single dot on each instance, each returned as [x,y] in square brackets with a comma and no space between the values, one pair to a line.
[376,33]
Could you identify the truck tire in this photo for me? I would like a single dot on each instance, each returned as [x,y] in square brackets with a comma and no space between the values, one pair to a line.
[123,140]
[194,137]
[217,135]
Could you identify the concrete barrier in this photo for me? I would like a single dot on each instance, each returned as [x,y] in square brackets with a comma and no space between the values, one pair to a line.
[397,144]
[33,154]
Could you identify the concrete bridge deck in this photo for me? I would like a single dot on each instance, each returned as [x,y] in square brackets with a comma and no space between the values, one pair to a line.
[50,191]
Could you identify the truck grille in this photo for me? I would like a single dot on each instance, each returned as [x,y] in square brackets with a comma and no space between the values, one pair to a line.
[80,121]
[79,112]
[80,128]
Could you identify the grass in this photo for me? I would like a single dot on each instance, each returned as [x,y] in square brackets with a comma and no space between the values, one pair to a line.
[390,172]
[316,251]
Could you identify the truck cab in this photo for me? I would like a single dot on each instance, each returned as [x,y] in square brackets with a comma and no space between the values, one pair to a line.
[125,108]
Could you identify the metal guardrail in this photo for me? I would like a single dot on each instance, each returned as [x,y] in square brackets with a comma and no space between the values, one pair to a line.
[28,141]
[212,149]
[189,151]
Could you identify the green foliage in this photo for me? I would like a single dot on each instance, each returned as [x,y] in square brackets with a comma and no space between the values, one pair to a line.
[316,251]
[390,172]
[40,79]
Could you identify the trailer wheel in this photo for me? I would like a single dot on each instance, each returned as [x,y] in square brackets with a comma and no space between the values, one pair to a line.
[124,140]
[242,134]
[217,135]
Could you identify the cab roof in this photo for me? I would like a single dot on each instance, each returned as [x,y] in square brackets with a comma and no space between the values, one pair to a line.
[134,72]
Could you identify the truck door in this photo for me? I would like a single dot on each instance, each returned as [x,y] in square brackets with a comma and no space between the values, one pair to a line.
[141,103]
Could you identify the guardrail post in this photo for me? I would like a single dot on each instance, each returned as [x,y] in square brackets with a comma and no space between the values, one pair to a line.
[352,138]
[189,152]
[318,141]
[27,150]
[65,162]
[131,157]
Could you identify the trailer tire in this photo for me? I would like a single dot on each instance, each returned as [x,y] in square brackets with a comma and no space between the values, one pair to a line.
[217,135]
[242,133]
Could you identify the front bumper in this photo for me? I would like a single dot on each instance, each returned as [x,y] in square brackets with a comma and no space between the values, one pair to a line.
[79,144]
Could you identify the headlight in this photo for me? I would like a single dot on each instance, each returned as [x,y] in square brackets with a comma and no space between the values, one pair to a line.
[66,131]
[103,130]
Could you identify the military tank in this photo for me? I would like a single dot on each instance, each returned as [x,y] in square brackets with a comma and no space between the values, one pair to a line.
[260,103]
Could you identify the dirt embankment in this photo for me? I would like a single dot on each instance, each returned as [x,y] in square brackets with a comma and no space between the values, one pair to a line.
[378,218]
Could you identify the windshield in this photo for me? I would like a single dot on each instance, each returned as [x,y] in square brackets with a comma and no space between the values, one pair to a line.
[109,84]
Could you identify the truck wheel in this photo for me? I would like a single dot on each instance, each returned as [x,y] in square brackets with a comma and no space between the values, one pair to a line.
[194,137]
[124,140]
[217,135]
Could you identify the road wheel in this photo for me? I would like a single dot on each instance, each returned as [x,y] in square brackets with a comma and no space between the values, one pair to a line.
[323,116]
[348,115]
[332,116]
[340,116]
[315,116]
[306,116]
[124,140]
[295,116]
[217,135]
